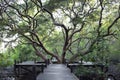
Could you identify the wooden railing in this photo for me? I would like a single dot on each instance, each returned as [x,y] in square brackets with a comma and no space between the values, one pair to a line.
[30,67]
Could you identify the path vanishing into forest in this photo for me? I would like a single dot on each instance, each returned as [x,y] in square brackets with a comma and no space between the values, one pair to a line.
[57,72]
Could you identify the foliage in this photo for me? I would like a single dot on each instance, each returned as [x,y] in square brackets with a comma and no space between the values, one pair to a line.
[100,54]
[61,28]
[95,73]
[6,59]
[115,51]
[24,52]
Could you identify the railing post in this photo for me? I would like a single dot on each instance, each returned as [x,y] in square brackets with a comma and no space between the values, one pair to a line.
[42,68]
[34,72]
[15,68]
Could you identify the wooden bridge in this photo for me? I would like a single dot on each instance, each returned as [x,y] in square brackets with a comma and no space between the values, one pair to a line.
[48,72]
[51,71]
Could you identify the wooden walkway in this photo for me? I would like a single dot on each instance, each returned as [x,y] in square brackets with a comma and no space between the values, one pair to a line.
[56,72]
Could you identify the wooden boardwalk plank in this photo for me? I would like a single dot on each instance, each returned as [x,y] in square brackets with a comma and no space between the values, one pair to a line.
[56,72]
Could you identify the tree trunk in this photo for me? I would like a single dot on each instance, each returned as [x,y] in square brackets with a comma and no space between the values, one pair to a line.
[63,59]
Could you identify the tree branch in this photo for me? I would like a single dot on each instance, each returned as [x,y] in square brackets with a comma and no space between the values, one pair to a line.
[100,20]
[76,31]
[39,53]
[111,25]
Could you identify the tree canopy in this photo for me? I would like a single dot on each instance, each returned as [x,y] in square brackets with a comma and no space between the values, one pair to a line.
[64,29]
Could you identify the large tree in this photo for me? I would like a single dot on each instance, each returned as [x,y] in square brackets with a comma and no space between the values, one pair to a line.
[60,28]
